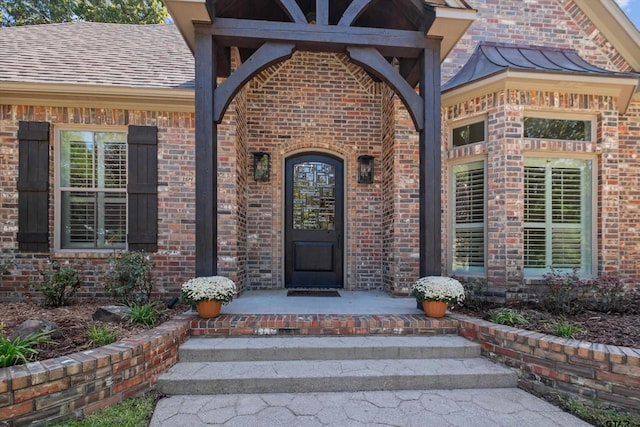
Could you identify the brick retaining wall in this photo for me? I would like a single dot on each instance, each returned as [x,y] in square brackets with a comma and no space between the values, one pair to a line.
[82,383]
[546,363]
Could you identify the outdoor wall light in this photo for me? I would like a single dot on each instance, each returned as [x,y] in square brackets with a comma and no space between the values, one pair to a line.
[365,169]
[261,166]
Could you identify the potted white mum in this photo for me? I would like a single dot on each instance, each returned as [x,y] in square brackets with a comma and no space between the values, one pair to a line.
[208,294]
[435,293]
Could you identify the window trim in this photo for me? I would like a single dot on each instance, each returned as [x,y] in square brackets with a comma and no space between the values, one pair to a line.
[57,215]
[560,115]
[468,121]
[476,272]
[531,273]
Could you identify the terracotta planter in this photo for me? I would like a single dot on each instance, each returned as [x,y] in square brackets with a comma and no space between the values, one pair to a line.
[208,309]
[435,309]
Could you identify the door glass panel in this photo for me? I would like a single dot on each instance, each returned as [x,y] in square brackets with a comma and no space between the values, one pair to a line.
[314,200]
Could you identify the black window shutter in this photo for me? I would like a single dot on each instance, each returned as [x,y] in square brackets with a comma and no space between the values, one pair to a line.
[33,186]
[142,188]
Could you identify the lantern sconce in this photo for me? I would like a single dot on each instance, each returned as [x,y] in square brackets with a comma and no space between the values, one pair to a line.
[261,166]
[365,169]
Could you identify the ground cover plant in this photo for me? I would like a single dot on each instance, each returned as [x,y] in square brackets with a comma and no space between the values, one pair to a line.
[132,412]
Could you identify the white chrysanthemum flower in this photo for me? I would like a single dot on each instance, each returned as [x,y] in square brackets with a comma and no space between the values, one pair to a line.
[213,288]
[437,288]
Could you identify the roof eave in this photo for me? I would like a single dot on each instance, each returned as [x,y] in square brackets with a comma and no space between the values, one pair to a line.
[622,87]
[450,25]
[97,96]
[611,21]
[184,13]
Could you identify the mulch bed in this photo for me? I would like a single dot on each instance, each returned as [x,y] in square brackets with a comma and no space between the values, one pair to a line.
[74,320]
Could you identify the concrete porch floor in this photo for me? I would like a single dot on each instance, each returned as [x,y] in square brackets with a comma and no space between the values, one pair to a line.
[349,302]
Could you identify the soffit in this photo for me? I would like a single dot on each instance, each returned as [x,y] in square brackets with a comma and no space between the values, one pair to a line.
[449,18]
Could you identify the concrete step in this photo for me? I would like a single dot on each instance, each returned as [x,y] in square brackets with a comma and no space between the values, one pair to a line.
[330,364]
[305,376]
[326,348]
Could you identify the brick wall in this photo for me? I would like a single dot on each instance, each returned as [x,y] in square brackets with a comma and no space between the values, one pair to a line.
[175,260]
[551,23]
[315,102]
[504,153]
[548,364]
[82,383]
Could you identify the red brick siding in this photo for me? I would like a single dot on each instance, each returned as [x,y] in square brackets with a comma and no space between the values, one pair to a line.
[175,260]
[551,23]
[315,102]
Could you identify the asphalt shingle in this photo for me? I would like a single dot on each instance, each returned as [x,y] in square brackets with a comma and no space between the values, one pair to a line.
[138,56]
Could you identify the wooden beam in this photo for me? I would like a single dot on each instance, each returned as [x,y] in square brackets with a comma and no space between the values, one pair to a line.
[430,167]
[372,61]
[269,54]
[325,38]
[353,12]
[293,11]
[206,157]
[322,12]
[410,69]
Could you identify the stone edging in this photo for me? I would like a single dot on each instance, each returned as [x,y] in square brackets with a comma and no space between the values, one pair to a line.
[84,382]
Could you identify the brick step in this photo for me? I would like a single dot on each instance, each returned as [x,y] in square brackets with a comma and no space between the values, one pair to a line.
[321,324]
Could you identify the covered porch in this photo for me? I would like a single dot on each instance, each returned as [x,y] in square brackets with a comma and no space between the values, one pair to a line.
[342,60]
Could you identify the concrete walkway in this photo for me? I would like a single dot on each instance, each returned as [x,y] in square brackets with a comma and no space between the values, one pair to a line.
[470,407]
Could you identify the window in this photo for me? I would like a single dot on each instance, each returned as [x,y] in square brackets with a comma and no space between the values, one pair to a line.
[468,218]
[92,189]
[570,130]
[468,134]
[558,215]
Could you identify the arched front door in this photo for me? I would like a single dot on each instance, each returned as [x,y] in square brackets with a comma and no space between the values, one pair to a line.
[314,221]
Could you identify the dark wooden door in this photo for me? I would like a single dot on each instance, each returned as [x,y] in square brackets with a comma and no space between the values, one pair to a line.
[314,221]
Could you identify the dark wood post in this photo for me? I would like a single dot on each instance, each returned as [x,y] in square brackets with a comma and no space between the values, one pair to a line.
[430,165]
[206,157]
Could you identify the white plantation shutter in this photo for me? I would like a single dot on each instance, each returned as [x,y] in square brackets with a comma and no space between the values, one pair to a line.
[93,179]
[558,213]
[468,217]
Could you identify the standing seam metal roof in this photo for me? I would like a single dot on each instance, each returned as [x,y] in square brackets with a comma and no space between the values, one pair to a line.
[491,58]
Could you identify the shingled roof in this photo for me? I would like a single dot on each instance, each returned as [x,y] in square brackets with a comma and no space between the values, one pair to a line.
[136,56]
[489,59]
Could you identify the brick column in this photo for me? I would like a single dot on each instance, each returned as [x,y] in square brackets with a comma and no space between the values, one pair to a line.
[504,196]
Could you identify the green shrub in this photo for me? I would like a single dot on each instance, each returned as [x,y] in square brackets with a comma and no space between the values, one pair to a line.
[608,295]
[128,278]
[59,285]
[474,298]
[146,314]
[100,335]
[564,292]
[509,317]
[19,350]
[564,328]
